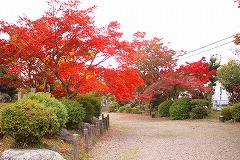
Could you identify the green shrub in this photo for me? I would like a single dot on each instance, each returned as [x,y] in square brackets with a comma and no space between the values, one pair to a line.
[28,121]
[92,105]
[76,112]
[121,109]
[113,106]
[235,111]
[198,113]
[50,102]
[199,103]
[2,106]
[226,112]
[163,108]
[180,109]
[183,101]
[136,110]
[128,109]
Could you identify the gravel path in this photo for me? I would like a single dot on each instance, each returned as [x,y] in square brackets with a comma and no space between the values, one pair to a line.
[140,137]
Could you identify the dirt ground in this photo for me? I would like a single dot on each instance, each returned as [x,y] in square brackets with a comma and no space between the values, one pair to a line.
[140,137]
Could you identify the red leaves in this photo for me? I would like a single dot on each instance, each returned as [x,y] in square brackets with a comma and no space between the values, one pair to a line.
[237,36]
[238,1]
[198,69]
[122,83]
[188,79]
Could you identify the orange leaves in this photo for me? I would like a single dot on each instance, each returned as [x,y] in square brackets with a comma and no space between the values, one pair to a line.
[122,83]
[66,47]
[237,36]
[70,70]
[198,69]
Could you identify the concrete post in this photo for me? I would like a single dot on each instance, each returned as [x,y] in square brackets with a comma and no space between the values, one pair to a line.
[76,147]
[93,135]
[20,95]
[86,140]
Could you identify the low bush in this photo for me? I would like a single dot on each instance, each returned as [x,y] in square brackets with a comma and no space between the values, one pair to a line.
[226,112]
[2,106]
[113,106]
[28,121]
[163,108]
[76,112]
[235,111]
[199,103]
[183,101]
[50,102]
[92,105]
[198,113]
[128,109]
[136,110]
[180,109]
[121,109]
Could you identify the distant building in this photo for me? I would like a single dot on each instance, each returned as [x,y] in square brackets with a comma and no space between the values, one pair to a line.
[220,97]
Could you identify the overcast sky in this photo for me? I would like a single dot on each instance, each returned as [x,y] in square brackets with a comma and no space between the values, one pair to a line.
[186,24]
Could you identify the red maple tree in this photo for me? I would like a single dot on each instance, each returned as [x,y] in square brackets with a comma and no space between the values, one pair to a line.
[188,79]
[65,47]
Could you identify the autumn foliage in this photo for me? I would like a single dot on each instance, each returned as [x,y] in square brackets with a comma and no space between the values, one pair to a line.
[237,1]
[65,53]
[65,49]
[189,79]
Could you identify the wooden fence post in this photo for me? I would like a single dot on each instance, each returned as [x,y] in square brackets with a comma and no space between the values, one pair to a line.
[108,123]
[97,129]
[101,127]
[76,146]
[93,135]
[20,95]
[104,124]
[86,140]
[34,90]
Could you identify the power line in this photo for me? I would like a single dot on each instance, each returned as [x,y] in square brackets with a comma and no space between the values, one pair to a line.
[206,50]
[210,44]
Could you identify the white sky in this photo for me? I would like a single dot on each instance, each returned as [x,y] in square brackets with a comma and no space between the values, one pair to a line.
[186,24]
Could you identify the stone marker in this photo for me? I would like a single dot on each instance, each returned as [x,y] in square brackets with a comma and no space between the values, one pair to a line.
[30,154]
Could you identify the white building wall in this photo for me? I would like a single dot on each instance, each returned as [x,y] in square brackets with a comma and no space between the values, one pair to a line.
[220,97]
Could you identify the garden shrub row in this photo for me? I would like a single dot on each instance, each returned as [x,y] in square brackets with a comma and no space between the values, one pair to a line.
[116,107]
[183,108]
[38,115]
[92,104]
[231,112]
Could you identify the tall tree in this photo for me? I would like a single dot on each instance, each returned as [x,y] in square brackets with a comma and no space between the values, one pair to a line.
[237,36]
[153,56]
[229,77]
[213,65]
[66,48]
[189,78]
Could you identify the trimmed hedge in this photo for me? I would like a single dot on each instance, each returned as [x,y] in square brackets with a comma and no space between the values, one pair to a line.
[121,109]
[50,102]
[92,105]
[163,108]
[128,109]
[180,109]
[136,110]
[226,112]
[28,121]
[235,111]
[113,106]
[198,113]
[199,103]
[2,106]
[75,111]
